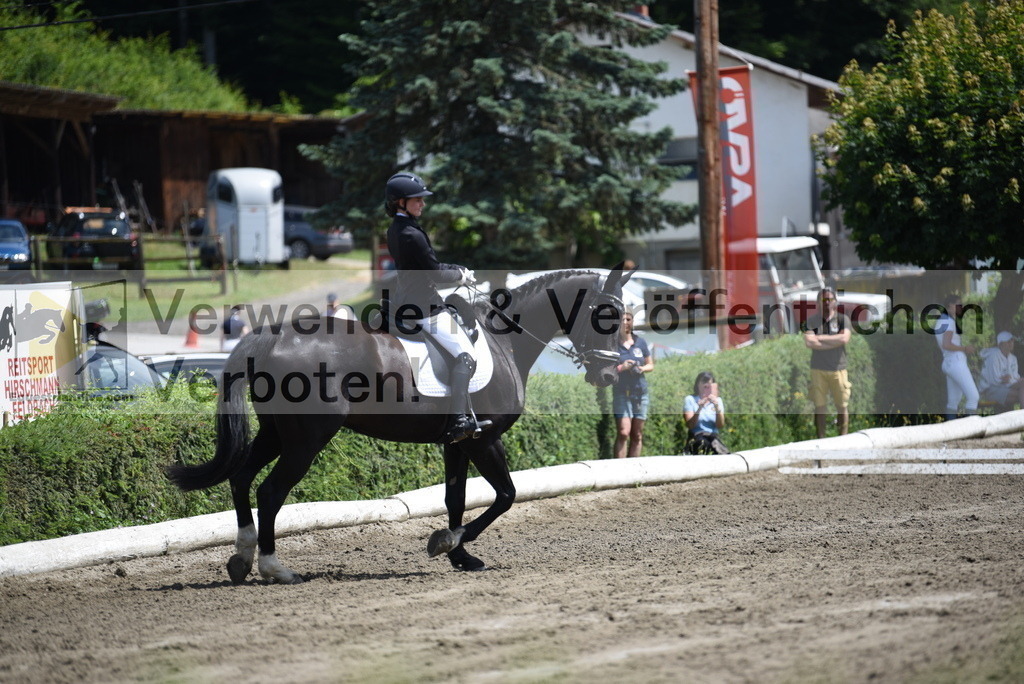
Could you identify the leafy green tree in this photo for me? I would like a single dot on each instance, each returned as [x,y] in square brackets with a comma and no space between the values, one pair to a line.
[925,153]
[144,71]
[521,128]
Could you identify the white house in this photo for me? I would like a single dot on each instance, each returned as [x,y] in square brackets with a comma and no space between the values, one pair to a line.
[789,106]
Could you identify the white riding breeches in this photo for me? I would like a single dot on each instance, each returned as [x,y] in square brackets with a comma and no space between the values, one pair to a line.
[448,333]
[959,384]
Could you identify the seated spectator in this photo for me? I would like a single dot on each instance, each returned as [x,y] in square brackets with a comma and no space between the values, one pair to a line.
[1000,381]
[704,414]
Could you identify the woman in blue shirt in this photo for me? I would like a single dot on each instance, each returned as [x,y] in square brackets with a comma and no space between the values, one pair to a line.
[630,399]
[704,413]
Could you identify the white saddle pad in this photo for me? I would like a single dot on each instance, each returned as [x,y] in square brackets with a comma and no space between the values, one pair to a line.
[423,356]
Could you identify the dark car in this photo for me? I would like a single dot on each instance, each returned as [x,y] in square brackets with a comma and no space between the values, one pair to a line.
[95,238]
[14,246]
[305,240]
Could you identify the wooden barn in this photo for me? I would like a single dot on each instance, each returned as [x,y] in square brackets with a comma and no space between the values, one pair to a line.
[60,148]
[47,150]
[171,153]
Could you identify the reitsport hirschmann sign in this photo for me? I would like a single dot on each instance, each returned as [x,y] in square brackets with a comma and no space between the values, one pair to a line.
[40,343]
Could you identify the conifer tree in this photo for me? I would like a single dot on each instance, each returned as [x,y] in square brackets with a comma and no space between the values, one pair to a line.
[518,114]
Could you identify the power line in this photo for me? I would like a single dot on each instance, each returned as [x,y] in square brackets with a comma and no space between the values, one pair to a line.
[123,16]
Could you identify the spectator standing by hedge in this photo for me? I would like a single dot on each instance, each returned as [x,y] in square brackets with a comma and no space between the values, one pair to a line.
[704,413]
[630,397]
[959,381]
[826,334]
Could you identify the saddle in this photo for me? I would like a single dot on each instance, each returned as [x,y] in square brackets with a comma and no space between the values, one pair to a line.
[431,363]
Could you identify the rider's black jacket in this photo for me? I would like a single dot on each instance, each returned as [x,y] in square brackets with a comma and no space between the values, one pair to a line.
[419,270]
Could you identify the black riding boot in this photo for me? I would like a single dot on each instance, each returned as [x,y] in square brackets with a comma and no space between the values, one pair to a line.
[463,423]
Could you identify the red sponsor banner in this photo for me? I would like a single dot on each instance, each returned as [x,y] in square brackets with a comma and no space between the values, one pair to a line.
[739,191]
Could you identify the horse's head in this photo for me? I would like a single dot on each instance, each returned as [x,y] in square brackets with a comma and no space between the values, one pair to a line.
[597,340]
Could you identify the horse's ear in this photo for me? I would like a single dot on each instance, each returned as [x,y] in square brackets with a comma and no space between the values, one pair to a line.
[617,277]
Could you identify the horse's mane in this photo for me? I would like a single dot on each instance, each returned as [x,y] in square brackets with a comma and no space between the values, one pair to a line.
[532,287]
[539,283]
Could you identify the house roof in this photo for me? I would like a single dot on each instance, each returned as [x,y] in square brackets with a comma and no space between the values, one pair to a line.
[237,117]
[324,125]
[819,89]
[43,102]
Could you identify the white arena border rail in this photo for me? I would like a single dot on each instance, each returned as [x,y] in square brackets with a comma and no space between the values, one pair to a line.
[215,529]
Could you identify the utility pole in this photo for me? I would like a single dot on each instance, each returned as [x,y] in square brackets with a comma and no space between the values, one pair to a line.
[709,147]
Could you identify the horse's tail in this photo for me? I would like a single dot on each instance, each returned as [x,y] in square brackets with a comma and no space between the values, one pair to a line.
[232,424]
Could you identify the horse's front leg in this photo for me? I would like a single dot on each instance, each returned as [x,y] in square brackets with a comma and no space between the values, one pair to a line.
[491,462]
[456,466]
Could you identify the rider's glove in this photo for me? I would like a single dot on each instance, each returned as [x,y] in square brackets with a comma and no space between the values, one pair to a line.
[468,277]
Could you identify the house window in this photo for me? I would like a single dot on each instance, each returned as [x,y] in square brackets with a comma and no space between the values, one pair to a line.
[682,154]
[682,260]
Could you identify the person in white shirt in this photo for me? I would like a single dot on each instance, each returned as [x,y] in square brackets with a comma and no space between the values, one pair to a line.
[337,310]
[1000,380]
[959,381]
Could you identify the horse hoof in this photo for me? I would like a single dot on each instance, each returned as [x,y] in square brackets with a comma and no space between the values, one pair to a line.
[443,541]
[238,569]
[468,564]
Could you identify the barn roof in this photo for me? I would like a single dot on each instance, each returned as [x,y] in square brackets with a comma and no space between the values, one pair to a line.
[42,102]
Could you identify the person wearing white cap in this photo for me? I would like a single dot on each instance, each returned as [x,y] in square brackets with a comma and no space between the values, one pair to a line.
[1000,381]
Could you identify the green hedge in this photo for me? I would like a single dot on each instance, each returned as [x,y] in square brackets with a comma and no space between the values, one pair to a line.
[89,465]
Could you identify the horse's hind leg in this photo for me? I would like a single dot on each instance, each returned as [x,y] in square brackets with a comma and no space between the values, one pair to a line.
[308,435]
[264,449]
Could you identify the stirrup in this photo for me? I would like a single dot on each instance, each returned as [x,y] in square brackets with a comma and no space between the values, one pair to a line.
[468,428]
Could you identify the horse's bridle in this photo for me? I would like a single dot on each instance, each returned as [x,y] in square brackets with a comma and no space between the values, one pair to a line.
[583,358]
[589,353]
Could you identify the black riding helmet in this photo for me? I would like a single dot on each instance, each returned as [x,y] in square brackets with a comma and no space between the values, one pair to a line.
[401,186]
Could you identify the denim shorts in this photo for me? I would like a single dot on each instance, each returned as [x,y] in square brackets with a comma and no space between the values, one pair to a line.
[630,407]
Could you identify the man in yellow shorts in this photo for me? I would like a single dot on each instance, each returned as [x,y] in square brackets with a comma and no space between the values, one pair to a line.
[826,334]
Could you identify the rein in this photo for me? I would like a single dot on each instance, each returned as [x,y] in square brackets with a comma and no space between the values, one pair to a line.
[579,359]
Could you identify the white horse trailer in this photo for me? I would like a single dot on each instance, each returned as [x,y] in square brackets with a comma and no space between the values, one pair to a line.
[245,206]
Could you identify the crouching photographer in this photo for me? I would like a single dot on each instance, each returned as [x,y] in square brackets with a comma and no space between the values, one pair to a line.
[704,413]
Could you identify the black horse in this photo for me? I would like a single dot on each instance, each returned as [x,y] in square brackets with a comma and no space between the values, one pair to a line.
[307,383]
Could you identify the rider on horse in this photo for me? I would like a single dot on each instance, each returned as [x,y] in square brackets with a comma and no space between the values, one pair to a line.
[419,274]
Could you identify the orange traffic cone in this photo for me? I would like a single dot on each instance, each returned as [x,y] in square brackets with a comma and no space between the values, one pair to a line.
[191,337]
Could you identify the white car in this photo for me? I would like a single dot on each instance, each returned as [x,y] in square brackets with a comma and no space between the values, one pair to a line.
[652,279]
[189,367]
